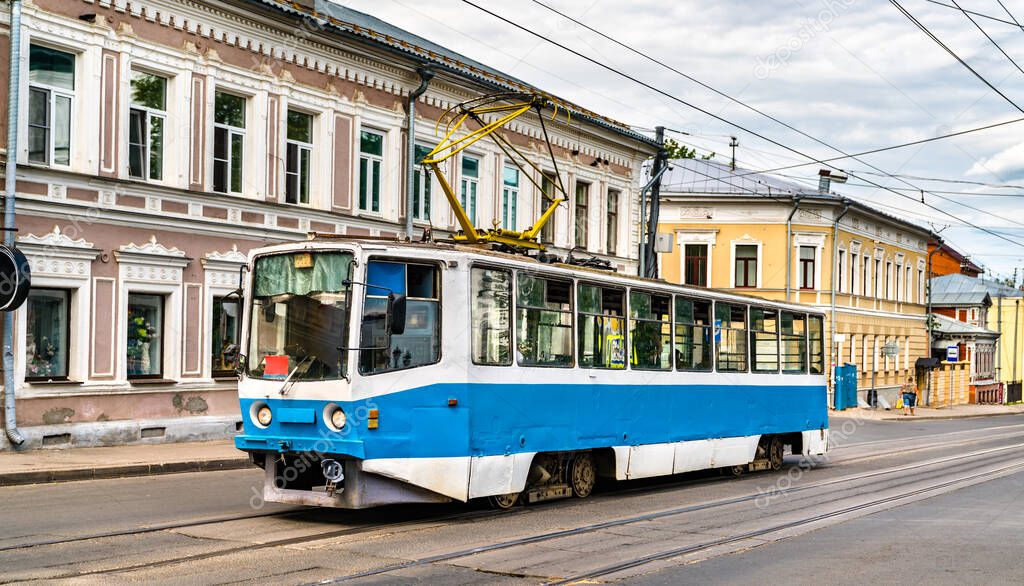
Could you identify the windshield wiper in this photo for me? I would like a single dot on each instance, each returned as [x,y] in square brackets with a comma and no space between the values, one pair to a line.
[288,381]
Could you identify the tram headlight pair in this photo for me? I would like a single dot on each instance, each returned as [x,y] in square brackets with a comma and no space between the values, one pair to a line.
[334,417]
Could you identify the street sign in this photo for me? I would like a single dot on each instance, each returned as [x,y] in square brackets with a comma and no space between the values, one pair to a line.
[718,331]
[890,350]
[952,353]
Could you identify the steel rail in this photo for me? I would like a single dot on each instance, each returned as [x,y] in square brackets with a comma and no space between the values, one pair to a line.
[543,537]
[673,553]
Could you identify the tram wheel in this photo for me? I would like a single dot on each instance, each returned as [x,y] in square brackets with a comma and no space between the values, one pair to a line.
[582,475]
[737,470]
[775,450]
[504,501]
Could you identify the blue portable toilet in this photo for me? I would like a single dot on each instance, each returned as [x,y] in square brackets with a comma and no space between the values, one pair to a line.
[845,395]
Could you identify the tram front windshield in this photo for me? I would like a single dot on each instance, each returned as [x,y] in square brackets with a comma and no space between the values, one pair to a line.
[300,316]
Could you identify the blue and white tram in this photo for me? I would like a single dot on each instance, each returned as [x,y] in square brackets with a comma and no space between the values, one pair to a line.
[379,373]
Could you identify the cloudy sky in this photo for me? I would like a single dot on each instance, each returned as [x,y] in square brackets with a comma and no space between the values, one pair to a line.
[856,74]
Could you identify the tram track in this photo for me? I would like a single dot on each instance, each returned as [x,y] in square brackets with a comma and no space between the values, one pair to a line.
[824,462]
[550,536]
[782,527]
[473,515]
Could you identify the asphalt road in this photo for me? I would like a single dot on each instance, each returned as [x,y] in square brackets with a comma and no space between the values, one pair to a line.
[921,501]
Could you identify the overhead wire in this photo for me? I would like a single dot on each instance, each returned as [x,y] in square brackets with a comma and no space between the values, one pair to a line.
[716,116]
[723,94]
[988,36]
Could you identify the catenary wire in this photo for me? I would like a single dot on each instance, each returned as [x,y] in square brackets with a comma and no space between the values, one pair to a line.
[715,116]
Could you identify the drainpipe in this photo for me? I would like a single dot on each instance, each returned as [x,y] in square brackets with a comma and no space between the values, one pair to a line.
[426,74]
[789,247]
[10,186]
[835,269]
[928,315]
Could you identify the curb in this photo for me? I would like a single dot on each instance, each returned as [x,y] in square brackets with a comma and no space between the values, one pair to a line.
[934,417]
[126,471]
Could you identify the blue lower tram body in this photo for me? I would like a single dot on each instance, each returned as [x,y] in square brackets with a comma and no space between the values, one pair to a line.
[467,419]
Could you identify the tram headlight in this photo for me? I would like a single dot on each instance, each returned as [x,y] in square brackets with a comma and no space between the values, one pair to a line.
[264,416]
[334,417]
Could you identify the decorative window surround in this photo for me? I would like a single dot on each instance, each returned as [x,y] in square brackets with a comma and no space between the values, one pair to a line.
[60,262]
[221,277]
[817,240]
[151,268]
[748,240]
[707,237]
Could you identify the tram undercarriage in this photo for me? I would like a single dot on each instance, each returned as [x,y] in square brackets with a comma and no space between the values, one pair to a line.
[315,480]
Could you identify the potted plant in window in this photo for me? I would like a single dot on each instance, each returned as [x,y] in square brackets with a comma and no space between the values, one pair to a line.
[140,336]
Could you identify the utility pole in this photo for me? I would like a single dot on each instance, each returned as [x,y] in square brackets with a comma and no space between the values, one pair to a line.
[648,237]
[733,142]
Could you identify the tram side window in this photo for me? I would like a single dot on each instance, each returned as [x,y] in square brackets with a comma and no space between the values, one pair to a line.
[794,342]
[492,317]
[602,326]
[764,339]
[544,321]
[693,334]
[420,344]
[817,337]
[650,330]
[731,321]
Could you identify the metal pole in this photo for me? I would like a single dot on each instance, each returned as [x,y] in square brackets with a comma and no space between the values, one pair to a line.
[10,186]
[834,352]
[649,266]
[789,247]
[928,315]
[1016,332]
[410,179]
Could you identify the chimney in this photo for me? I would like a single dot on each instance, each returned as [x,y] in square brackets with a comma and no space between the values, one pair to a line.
[827,176]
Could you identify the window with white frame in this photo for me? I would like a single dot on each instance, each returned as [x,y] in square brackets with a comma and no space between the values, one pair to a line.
[470,183]
[228,142]
[146,120]
[808,266]
[746,265]
[224,336]
[581,213]
[908,294]
[297,172]
[865,279]
[145,335]
[840,270]
[51,79]
[421,186]
[695,264]
[547,186]
[612,221]
[371,159]
[48,334]
[853,272]
[509,196]
[888,280]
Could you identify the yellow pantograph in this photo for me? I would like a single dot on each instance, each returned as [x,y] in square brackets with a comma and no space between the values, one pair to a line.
[502,109]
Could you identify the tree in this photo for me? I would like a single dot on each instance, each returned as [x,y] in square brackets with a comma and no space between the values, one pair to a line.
[681,151]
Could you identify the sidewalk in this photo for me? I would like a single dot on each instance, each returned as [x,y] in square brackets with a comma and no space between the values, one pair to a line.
[955,412]
[37,466]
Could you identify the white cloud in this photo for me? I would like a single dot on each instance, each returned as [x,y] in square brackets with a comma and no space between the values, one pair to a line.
[1006,164]
[868,79]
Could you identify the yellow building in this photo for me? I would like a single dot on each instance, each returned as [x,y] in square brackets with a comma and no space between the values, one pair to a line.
[759,235]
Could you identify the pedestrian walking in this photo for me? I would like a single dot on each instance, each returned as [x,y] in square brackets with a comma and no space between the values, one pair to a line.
[909,391]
